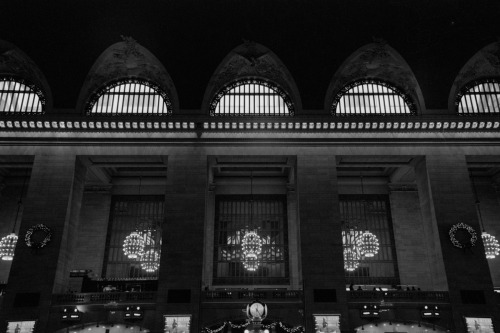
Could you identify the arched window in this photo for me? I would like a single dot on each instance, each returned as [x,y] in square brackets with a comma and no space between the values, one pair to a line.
[372,97]
[480,97]
[130,97]
[251,98]
[18,97]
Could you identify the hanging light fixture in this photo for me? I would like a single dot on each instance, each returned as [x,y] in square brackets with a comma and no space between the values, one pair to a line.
[367,242]
[491,245]
[134,244]
[352,256]
[8,243]
[251,243]
[150,261]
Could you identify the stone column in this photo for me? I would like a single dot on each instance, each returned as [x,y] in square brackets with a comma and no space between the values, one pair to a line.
[321,239]
[446,197]
[53,198]
[179,287]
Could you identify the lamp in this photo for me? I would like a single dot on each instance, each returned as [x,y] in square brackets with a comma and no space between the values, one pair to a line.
[491,245]
[8,243]
[251,243]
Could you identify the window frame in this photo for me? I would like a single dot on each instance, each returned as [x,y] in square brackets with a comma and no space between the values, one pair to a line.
[397,91]
[471,85]
[232,85]
[34,89]
[113,84]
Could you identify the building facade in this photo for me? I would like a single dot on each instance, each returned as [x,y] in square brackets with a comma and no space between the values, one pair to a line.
[309,179]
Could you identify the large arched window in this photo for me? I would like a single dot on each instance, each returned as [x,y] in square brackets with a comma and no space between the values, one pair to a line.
[480,97]
[18,97]
[251,98]
[371,97]
[130,97]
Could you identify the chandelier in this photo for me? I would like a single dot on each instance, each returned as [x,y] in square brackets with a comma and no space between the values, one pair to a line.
[368,244]
[491,245]
[133,245]
[251,243]
[150,261]
[351,259]
[8,243]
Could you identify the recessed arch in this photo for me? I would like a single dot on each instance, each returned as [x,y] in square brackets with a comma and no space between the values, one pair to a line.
[251,97]
[483,67]
[371,97]
[379,62]
[480,97]
[128,62]
[23,87]
[252,62]
[129,97]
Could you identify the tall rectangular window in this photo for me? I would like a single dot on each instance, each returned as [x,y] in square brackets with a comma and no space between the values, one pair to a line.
[360,213]
[141,214]
[234,216]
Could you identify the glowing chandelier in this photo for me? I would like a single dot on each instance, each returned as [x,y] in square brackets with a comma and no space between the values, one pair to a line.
[351,259]
[150,261]
[133,245]
[367,242]
[251,243]
[491,245]
[8,243]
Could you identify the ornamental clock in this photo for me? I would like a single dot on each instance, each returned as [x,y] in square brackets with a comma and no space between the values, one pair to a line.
[256,311]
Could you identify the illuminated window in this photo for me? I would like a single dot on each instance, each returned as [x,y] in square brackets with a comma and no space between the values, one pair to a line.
[251,98]
[131,97]
[369,97]
[480,98]
[238,213]
[17,97]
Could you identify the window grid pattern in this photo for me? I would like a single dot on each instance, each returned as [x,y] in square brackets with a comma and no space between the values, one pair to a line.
[131,97]
[17,97]
[128,214]
[370,97]
[371,212]
[480,98]
[233,218]
[251,98]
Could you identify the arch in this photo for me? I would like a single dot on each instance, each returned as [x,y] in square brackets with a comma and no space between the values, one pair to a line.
[129,97]
[484,66]
[252,61]
[251,97]
[380,62]
[479,97]
[122,61]
[372,97]
[22,82]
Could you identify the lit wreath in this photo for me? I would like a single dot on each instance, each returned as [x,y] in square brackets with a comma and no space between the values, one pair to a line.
[469,229]
[29,234]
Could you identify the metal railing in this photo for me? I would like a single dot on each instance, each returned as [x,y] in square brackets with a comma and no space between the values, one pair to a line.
[103,298]
[399,296]
[269,295]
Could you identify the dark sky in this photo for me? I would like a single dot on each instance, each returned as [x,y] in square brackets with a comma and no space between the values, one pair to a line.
[191,38]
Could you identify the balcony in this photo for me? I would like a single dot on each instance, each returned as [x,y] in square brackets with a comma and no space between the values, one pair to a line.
[236,296]
[105,298]
[398,296]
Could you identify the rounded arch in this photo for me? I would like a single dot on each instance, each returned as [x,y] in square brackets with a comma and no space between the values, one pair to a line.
[372,97]
[16,66]
[126,60]
[251,61]
[483,66]
[376,61]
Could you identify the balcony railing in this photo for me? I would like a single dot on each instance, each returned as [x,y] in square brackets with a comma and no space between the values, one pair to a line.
[104,298]
[399,296]
[245,295]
